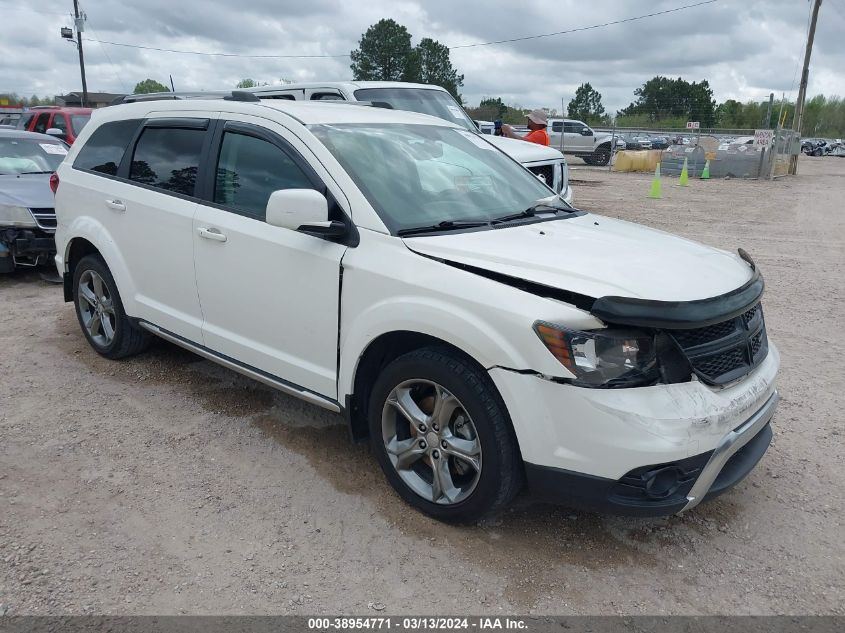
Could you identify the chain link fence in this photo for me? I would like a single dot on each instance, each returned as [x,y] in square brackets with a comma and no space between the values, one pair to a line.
[731,153]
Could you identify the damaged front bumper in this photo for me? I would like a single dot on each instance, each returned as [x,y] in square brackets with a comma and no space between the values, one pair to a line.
[646,451]
[25,247]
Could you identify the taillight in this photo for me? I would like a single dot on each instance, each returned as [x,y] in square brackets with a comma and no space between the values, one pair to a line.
[54,182]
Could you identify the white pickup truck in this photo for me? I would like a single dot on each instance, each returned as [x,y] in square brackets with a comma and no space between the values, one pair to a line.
[579,139]
[546,163]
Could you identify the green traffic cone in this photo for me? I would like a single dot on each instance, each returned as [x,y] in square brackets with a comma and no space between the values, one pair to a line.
[705,175]
[655,184]
[684,181]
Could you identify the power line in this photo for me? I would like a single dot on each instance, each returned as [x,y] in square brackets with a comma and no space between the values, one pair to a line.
[515,39]
[170,50]
[586,28]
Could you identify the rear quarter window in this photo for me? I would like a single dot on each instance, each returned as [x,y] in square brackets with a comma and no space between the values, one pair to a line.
[104,150]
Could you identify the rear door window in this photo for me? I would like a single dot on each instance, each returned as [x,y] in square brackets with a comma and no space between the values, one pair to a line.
[168,159]
[104,150]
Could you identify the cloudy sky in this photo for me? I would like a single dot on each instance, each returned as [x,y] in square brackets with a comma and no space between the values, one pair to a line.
[745,48]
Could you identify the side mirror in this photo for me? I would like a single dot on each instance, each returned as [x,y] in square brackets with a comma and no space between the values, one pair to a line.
[303,210]
[586,132]
[54,131]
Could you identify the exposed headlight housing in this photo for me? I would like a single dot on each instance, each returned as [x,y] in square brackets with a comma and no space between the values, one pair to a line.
[18,217]
[603,358]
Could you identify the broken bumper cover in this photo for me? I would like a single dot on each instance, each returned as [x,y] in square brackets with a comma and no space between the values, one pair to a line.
[646,451]
[662,489]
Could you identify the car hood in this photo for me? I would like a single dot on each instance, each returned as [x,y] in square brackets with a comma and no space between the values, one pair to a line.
[524,151]
[595,256]
[26,190]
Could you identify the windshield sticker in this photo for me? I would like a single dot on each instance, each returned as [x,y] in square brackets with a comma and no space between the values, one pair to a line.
[469,184]
[475,139]
[456,111]
[54,148]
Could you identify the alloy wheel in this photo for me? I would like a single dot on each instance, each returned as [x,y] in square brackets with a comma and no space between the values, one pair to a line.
[96,308]
[431,441]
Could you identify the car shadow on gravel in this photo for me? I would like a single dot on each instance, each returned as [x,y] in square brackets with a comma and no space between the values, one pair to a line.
[527,536]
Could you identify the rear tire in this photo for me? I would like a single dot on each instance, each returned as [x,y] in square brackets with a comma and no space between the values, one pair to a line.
[588,160]
[443,437]
[100,313]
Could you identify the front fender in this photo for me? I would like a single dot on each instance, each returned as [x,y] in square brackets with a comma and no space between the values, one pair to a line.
[490,321]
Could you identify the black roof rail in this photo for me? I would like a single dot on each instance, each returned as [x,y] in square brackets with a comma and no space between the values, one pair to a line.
[241,95]
[171,96]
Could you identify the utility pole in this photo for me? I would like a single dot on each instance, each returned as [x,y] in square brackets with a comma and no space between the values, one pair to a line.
[767,123]
[79,23]
[802,90]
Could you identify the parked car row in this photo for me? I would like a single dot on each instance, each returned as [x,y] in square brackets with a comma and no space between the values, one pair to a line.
[822,147]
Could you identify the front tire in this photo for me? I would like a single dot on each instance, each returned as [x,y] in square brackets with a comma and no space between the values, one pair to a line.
[100,311]
[601,157]
[443,437]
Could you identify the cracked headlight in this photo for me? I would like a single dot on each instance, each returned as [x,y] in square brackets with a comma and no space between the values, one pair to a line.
[19,217]
[603,358]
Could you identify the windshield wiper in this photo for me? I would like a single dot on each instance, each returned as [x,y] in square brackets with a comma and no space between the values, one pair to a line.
[445,225]
[26,173]
[530,212]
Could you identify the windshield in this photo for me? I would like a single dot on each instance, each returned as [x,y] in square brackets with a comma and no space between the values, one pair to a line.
[79,121]
[424,175]
[423,100]
[25,156]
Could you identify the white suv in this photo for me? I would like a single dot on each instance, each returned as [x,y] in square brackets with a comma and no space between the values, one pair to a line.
[402,271]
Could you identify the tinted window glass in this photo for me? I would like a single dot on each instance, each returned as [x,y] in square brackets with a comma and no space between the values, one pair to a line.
[168,159]
[104,150]
[326,96]
[249,170]
[59,123]
[557,126]
[41,123]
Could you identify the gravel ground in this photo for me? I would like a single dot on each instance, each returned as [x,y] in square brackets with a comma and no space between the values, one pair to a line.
[165,484]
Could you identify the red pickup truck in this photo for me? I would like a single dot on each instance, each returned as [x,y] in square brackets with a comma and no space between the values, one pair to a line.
[69,121]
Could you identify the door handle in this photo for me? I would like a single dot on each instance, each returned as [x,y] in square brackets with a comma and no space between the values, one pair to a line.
[116,205]
[211,234]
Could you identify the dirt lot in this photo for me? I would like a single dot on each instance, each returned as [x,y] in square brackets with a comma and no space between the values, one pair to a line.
[165,484]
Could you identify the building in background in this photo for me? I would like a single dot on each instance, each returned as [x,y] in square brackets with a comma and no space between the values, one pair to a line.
[95,99]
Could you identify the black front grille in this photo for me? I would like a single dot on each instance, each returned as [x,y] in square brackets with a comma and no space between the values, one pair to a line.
[702,335]
[547,172]
[728,350]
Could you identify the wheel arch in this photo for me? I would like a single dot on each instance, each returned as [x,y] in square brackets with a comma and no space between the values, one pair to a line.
[91,238]
[379,352]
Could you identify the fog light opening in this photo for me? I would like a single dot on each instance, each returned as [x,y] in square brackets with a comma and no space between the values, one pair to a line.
[663,482]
